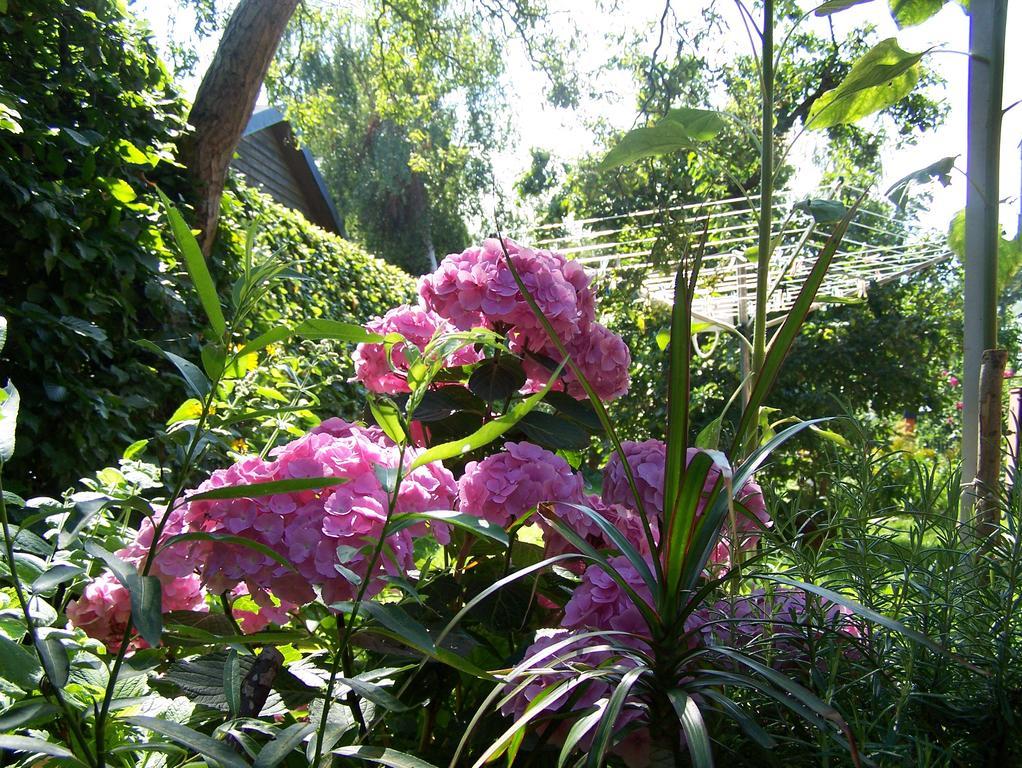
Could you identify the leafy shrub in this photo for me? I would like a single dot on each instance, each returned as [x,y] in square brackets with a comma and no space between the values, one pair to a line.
[87,112]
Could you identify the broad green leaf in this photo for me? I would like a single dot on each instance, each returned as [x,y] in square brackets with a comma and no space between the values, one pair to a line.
[273,336]
[19,665]
[197,269]
[822,211]
[1009,252]
[940,170]
[269,488]
[133,155]
[709,436]
[394,618]
[488,432]
[699,124]
[10,401]
[663,138]
[697,738]
[55,660]
[382,756]
[283,744]
[836,6]
[375,693]
[881,78]
[553,432]
[388,417]
[908,13]
[120,189]
[37,747]
[191,739]
[334,329]
[497,380]
[28,713]
[135,449]
[214,358]
[580,411]
[191,373]
[232,682]
[147,607]
[55,576]
[475,525]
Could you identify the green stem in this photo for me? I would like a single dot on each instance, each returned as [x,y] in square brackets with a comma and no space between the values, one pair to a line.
[69,717]
[765,199]
[115,670]
[349,625]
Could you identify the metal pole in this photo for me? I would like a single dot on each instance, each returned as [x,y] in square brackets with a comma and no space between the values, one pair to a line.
[986,79]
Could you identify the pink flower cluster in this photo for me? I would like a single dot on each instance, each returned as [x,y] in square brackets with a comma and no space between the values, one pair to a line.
[476,288]
[104,609]
[418,326]
[326,534]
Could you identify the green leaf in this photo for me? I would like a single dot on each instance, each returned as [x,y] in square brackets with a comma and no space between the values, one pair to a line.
[580,411]
[836,6]
[601,739]
[121,190]
[191,373]
[697,739]
[19,665]
[553,432]
[382,756]
[497,380]
[197,269]
[269,488]
[232,682]
[878,80]
[55,576]
[398,621]
[10,401]
[334,329]
[283,744]
[191,739]
[822,211]
[146,607]
[375,693]
[28,713]
[37,747]
[488,432]
[908,13]
[940,170]
[699,124]
[133,155]
[273,336]
[388,417]
[55,660]
[1009,252]
[214,358]
[709,436]
[135,449]
[475,525]
[77,137]
[663,138]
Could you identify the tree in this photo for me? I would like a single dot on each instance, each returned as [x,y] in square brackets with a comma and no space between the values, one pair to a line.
[224,102]
[403,105]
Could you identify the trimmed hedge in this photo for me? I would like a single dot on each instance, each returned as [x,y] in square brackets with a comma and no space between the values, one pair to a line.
[88,115]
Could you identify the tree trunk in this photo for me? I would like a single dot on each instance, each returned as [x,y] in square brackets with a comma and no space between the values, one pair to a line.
[982,230]
[988,472]
[225,101]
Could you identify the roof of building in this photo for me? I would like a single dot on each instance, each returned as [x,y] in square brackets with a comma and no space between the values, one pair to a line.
[269,157]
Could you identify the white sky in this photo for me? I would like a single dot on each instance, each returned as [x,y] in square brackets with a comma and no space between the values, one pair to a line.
[567,135]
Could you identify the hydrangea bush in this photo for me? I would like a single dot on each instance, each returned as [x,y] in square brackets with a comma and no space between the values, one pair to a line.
[469,406]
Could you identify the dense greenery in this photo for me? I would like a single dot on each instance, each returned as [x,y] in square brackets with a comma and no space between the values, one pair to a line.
[89,116]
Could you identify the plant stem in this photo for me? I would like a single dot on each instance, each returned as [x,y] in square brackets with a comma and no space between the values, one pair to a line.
[765,196]
[72,721]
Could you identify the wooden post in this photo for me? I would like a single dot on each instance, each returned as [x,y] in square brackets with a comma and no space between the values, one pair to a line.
[988,469]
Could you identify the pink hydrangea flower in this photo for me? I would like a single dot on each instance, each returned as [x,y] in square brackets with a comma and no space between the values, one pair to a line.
[327,534]
[624,519]
[504,486]
[418,325]
[647,460]
[599,602]
[602,355]
[560,657]
[476,288]
[103,611]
